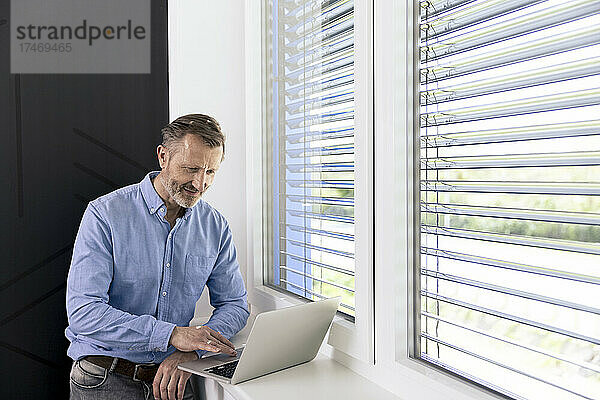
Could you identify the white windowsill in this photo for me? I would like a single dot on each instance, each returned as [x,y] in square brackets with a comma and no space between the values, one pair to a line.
[324,377]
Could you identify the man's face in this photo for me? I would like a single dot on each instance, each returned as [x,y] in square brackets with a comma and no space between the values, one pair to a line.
[188,169]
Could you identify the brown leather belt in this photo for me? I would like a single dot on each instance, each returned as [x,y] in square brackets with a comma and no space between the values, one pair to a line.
[137,372]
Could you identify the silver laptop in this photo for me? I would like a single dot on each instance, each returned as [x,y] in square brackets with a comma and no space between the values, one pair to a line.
[279,339]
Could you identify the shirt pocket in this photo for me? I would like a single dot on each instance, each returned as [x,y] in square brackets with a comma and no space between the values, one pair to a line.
[197,271]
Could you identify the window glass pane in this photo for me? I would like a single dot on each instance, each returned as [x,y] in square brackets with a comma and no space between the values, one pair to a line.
[510,194]
[311,86]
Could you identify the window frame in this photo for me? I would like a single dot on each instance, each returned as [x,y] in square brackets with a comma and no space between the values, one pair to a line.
[397,148]
[389,365]
[408,346]
[355,339]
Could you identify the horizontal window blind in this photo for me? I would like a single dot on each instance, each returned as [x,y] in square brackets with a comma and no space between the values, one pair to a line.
[312,115]
[509,115]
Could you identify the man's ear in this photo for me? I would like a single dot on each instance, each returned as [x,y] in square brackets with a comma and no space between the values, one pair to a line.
[163,156]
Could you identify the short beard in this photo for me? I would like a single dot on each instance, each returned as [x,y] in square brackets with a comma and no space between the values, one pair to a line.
[175,192]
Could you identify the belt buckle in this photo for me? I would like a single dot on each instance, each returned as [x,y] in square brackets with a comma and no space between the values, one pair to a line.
[136,369]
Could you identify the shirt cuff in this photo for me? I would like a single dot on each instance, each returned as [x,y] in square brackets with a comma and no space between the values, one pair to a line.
[161,334]
[219,326]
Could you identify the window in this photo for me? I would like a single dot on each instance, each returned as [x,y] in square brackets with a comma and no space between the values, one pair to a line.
[509,132]
[310,243]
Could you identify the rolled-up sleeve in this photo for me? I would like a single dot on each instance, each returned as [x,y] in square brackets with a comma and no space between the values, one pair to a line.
[227,291]
[88,284]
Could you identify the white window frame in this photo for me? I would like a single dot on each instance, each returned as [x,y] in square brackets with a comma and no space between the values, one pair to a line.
[396,214]
[377,345]
[355,339]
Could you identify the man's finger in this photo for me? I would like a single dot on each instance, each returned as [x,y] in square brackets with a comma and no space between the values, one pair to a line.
[156,384]
[164,395]
[183,378]
[172,386]
[215,335]
[222,339]
[222,347]
[208,345]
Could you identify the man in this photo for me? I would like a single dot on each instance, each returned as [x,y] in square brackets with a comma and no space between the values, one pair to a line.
[142,257]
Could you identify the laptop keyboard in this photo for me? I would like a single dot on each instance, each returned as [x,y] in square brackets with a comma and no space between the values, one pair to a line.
[225,370]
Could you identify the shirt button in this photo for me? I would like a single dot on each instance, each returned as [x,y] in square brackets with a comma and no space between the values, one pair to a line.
[152,210]
[164,294]
[162,210]
[168,265]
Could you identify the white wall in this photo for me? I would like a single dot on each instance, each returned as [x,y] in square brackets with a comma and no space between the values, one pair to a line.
[206,75]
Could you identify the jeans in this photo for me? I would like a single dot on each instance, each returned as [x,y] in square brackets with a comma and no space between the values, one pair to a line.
[91,382]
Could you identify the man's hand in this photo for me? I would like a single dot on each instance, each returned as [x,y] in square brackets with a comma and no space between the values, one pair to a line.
[169,382]
[200,338]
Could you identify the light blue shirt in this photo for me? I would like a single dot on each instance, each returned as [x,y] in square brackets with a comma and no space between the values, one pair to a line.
[133,278]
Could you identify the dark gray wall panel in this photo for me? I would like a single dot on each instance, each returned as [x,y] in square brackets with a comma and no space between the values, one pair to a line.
[67,139]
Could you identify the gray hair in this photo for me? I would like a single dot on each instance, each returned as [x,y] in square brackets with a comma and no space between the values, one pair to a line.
[196,124]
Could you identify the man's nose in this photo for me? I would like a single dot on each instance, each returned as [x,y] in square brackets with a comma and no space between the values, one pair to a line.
[200,180]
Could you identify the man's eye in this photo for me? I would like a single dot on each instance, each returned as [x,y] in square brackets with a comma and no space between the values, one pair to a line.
[191,169]
[210,171]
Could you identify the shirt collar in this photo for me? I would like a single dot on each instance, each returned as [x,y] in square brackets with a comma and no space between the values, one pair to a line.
[152,199]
